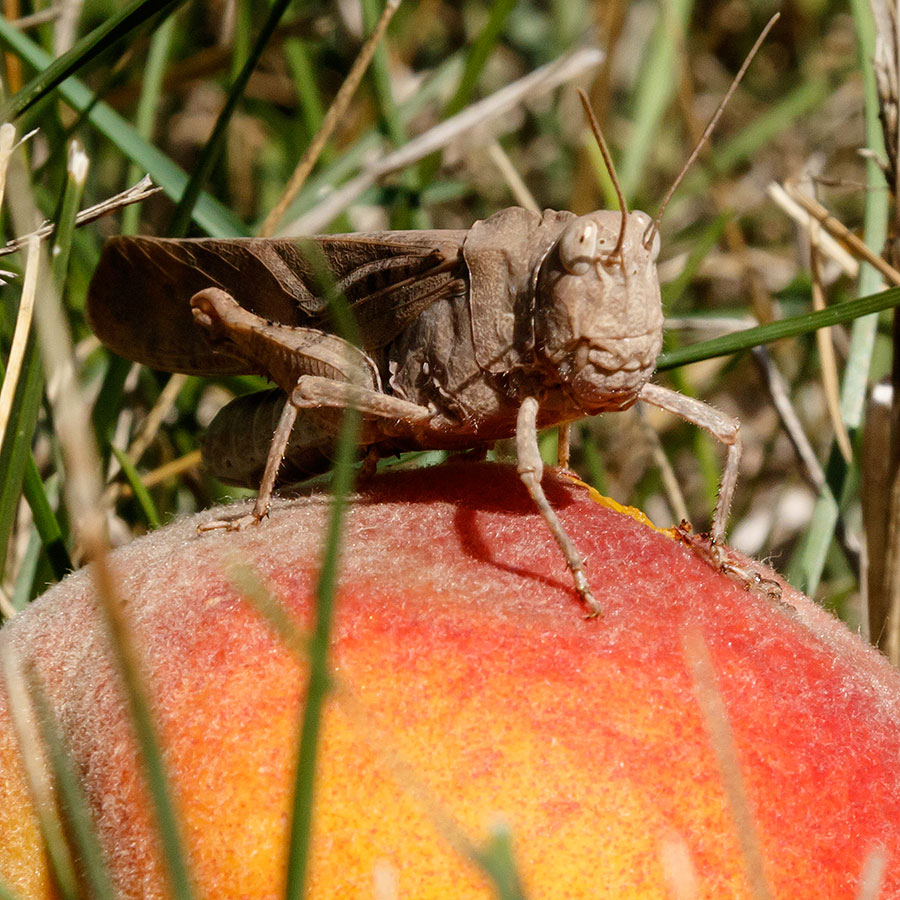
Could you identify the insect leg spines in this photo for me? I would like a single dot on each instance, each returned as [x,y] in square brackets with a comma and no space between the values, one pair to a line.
[722,427]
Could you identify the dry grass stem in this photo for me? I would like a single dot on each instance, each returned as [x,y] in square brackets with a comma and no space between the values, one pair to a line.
[156,476]
[363,718]
[829,247]
[563,70]
[840,232]
[135,194]
[793,427]
[511,176]
[704,137]
[721,737]
[678,867]
[710,326]
[827,357]
[871,878]
[875,496]
[7,610]
[892,575]
[150,426]
[37,771]
[20,336]
[7,145]
[335,112]
[671,485]
[41,17]
[147,432]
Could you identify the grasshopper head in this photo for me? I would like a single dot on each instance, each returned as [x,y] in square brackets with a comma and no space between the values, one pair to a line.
[598,318]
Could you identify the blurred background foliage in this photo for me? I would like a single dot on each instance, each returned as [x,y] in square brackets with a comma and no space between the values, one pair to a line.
[731,256]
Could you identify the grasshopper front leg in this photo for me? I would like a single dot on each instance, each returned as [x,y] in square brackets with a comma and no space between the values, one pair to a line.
[722,427]
[531,471]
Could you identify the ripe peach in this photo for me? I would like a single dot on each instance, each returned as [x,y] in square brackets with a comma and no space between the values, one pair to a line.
[468,675]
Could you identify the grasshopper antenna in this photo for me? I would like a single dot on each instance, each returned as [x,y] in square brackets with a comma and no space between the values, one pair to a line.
[607,159]
[653,227]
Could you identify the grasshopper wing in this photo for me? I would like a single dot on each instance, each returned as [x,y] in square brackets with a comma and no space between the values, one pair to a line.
[139,299]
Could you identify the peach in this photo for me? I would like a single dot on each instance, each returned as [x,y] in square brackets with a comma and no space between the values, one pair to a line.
[469,681]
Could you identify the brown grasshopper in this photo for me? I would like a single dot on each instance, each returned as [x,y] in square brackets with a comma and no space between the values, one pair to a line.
[521,322]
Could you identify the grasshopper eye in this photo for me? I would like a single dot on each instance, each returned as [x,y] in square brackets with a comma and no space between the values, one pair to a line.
[578,247]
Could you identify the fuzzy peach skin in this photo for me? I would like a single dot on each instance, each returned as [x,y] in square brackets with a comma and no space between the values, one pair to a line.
[468,657]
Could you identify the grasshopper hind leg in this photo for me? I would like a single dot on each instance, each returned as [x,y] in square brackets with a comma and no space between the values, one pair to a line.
[307,422]
[238,449]
[238,440]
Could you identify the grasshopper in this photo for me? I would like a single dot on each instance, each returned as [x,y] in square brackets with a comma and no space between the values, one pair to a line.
[523,321]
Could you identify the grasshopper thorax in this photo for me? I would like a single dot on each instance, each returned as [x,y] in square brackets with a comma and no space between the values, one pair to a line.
[597,313]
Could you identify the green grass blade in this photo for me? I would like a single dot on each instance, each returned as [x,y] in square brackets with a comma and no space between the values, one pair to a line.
[209,214]
[7,893]
[354,155]
[80,828]
[151,91]
[212,150]
[406,212]
[593,461]
[45,521]
[877,211]
[498,863]
[381,78]
[109,401]
[784,328]
[27,574]
[57,856]
[16,450]
[65,223]
[476,57]
[657,85]
[326,588]
[139,708]
[319,681]
[141,494]
[80,454]
[21,473]
[297,54]
[806,566]
[704,244]
[760,133]
[88,48]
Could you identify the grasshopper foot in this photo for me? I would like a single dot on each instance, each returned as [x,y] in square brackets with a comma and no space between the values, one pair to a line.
[584,591]
[369,466]
[234,523]
[720,557]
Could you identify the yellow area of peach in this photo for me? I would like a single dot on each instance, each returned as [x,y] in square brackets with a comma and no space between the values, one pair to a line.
[415,755]
[608,502]
[397,769]
[22,864]
[416,761]
[585,737]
